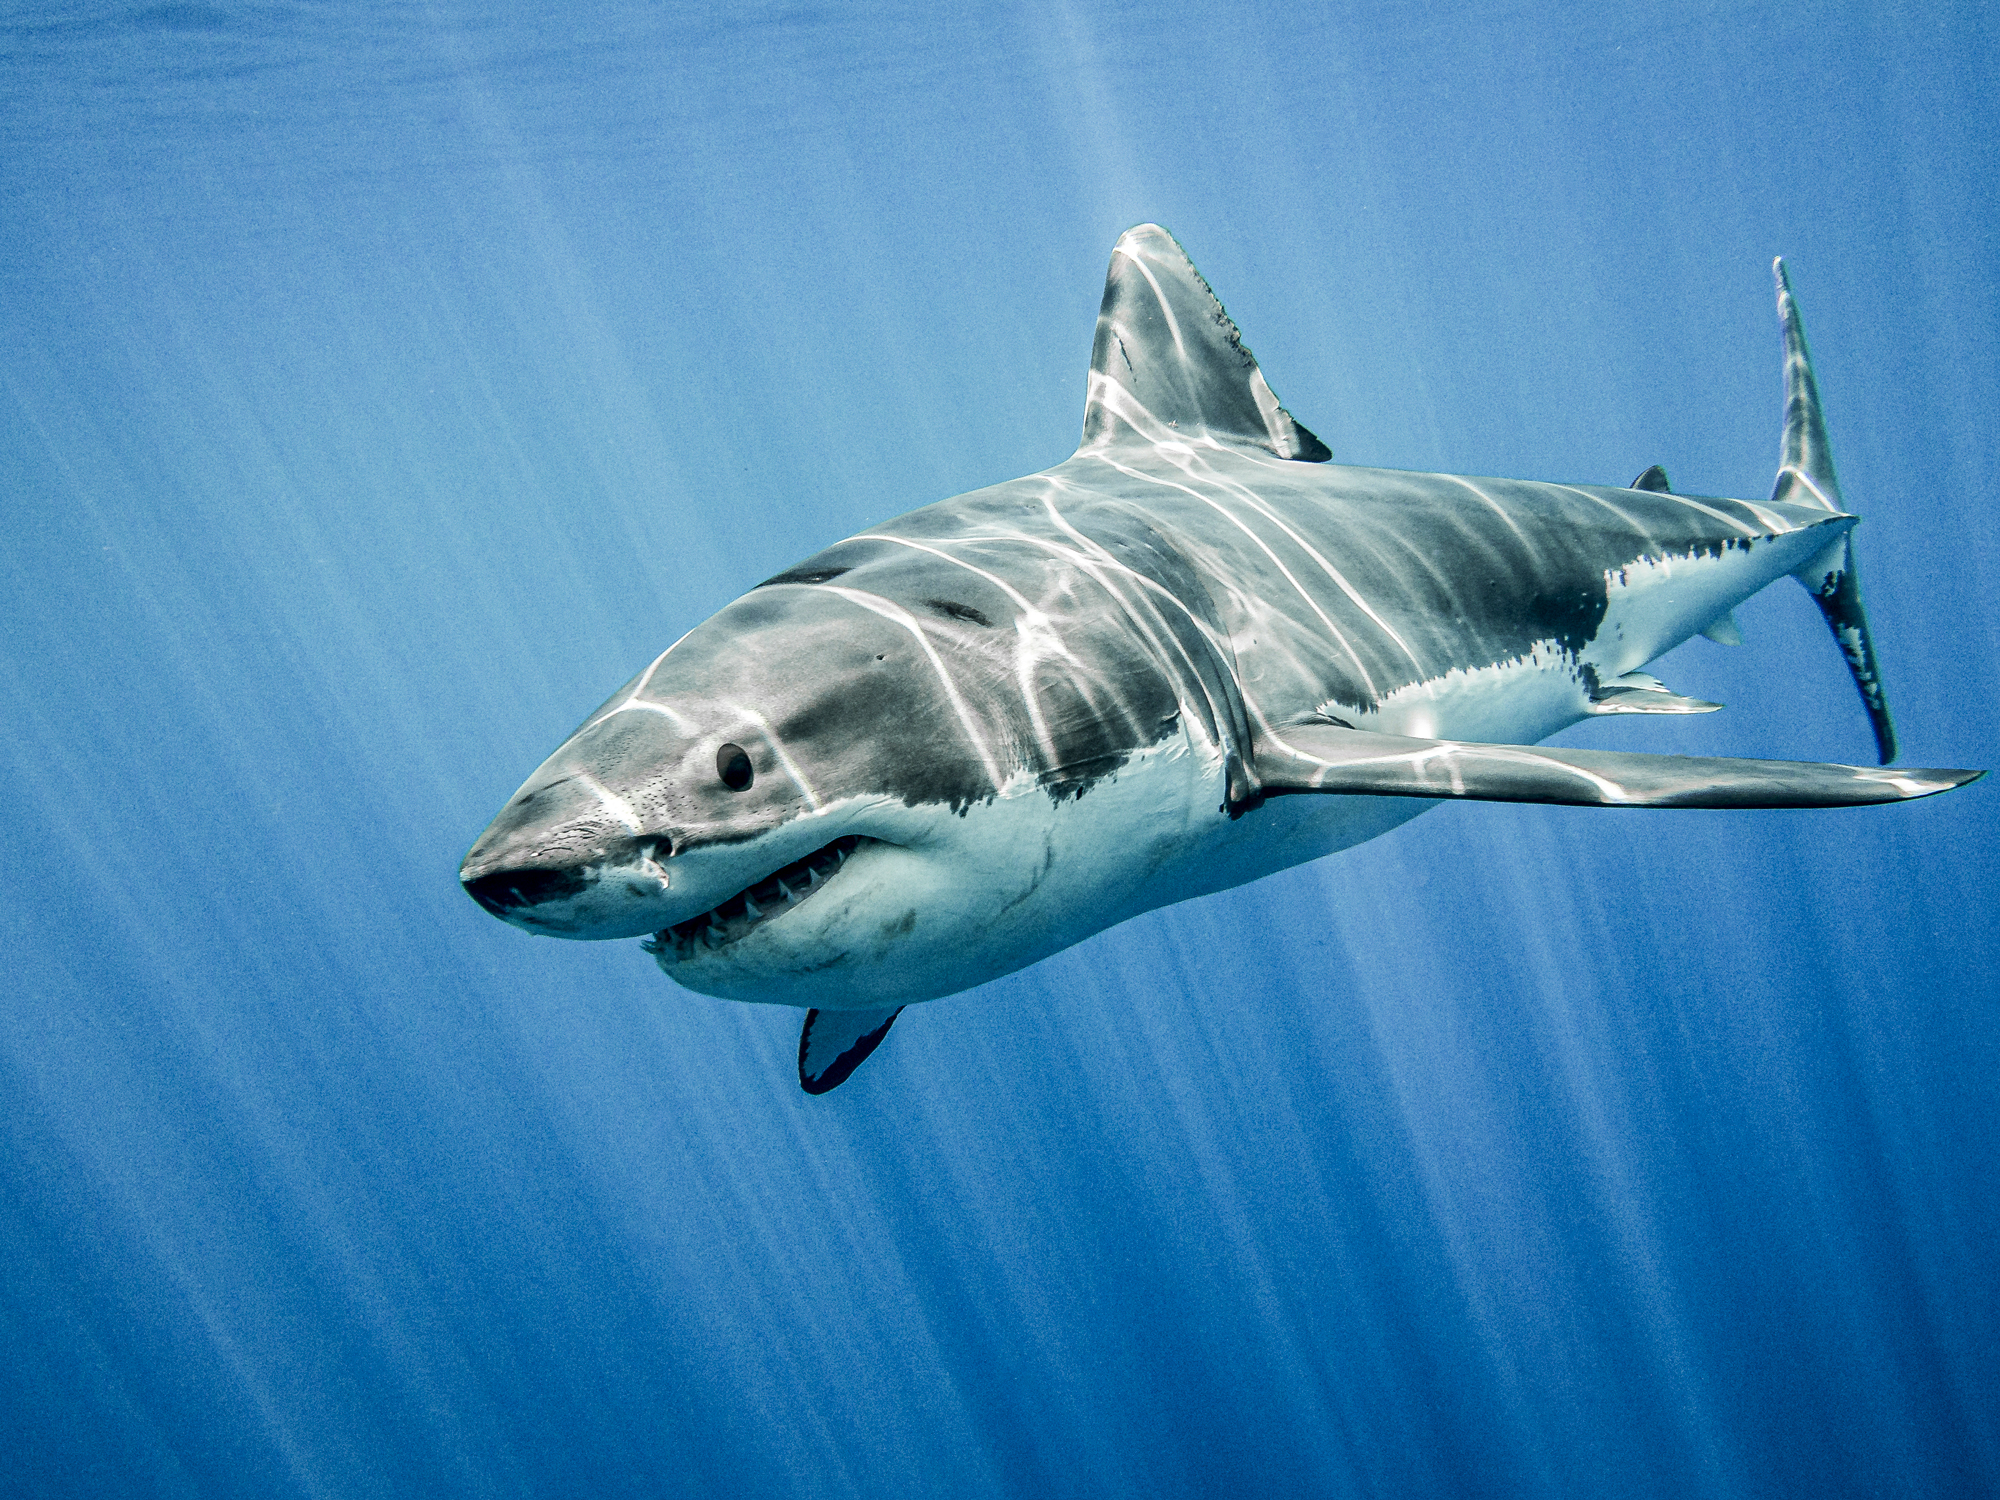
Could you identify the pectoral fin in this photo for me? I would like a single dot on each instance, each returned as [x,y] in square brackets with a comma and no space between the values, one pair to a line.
[833,1043]
[1327,758]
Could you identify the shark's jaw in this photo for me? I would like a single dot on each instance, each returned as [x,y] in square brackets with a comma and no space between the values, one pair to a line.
[776,895]
[686,899]
[853,921]
[932,901]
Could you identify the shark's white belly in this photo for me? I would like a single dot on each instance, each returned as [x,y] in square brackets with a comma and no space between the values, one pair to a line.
[945,901]
[941,901]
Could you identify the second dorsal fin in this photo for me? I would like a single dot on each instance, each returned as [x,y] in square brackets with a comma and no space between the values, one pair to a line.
[1168,363]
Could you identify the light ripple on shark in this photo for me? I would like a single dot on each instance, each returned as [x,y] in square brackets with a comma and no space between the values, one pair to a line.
[956,744]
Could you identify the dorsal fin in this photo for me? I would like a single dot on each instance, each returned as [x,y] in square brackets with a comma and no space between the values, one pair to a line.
[1654,479]
[1169,364]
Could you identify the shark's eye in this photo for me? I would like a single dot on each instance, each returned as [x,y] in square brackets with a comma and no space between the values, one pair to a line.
[732,764]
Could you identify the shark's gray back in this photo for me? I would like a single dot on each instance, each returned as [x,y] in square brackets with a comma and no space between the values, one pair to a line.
[1237,585]
[1340,586]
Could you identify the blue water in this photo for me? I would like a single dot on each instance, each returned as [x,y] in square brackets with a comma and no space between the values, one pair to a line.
[384,385]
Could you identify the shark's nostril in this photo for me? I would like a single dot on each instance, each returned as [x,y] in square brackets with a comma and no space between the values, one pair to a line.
[509,890]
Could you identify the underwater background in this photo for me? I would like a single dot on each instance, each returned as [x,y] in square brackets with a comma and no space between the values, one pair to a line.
[384,385]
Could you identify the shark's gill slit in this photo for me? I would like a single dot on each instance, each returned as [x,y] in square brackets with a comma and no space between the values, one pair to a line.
[770,897]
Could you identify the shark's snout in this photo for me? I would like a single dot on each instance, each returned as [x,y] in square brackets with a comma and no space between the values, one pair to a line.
[615,889]
[505,892]
[571,878]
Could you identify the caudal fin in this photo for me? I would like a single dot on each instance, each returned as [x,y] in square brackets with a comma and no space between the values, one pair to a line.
[1806,477]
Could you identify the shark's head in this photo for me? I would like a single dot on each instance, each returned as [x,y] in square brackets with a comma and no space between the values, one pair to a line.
[833,793]
[924,759]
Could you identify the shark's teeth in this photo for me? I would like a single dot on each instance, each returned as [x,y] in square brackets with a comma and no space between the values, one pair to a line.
[771,897]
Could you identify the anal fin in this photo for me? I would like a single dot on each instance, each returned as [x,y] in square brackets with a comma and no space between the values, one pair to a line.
[1643,693]
[833,1043]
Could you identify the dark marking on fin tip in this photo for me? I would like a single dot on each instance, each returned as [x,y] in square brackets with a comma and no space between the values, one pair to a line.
[842,1067]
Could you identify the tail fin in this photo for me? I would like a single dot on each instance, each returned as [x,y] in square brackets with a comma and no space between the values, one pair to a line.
[1805,477]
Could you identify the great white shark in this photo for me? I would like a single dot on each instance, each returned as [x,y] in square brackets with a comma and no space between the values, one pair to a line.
[1193,653]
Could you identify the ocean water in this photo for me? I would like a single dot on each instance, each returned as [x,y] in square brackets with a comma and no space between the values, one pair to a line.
[381,386]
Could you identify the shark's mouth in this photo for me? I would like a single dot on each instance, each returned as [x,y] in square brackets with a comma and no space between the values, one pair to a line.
[770,898]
